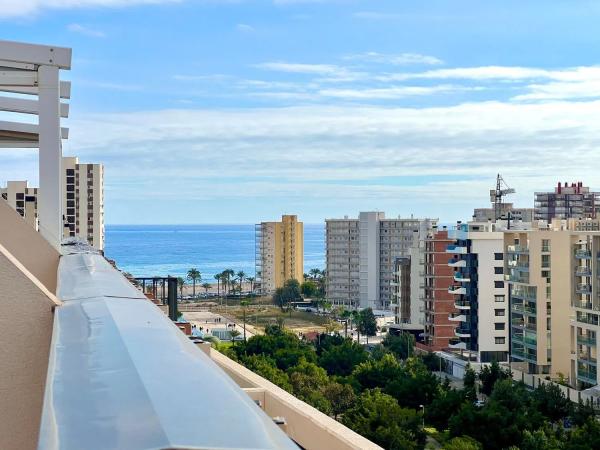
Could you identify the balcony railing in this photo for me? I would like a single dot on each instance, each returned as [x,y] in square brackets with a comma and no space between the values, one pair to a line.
[461,304]
[583,271]
[583,289]
[583,254]
[457,263]
[523,309]
[457,249]
[586,340]
[518,249]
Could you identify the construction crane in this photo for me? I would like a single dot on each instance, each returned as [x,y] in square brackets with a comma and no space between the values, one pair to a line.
[497,195]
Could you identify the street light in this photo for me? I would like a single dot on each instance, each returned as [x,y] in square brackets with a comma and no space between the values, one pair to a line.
[423,412]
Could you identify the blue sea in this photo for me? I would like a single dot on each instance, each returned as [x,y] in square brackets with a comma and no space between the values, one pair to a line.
[161,250]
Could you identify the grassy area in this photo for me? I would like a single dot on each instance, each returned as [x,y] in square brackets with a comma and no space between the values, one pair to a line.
[262,315]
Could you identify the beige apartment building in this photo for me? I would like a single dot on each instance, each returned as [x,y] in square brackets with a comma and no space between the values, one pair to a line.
[553,276]
[23,199]
[83,201]
[279,253]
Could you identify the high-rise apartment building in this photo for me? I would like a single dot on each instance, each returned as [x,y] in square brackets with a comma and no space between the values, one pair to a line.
[361,257]
[506,210]
[567,202]
[480,292]
[554,285]
[23,199]
[279,253]
[437,302]
[83,201]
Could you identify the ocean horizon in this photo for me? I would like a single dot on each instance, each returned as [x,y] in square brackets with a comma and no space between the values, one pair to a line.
[161,250]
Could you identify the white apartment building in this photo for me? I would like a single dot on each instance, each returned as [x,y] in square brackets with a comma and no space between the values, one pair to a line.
[83,201]
[361,256]
[477,257]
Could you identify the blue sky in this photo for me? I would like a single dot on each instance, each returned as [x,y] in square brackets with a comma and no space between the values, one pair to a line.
[237,111]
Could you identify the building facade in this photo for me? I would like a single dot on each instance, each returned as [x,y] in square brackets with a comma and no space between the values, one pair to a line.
[480,292]
[554,287]
[361,256]
[279,253]
[517,214]
[23,199]
[567,202]
[83,201]
[437,302]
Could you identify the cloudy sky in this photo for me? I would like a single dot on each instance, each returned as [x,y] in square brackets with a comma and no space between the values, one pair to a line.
[234,111]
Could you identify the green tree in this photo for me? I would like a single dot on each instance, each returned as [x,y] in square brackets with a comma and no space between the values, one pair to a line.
[206,287]
[462,443]
[251,280]
[585,437]
[309,289]
[194,276]
[378,374]
[340,396]
[399,345]
[234,333]
[308,381]
[469,381]
[379,418]
[241,275]
[541,439]
[342,359]
[443,407]
[582,412]
[180,285]
[218,278]
[551,402]
[490,374]
[265,367]
[367,324]
[290,292]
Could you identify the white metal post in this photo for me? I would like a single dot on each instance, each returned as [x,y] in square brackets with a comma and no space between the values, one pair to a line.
[50,156]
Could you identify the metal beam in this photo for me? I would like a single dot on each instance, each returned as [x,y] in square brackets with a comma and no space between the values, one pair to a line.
[35,54]
[18,78]
[65,89]
[26,106]
[50,156]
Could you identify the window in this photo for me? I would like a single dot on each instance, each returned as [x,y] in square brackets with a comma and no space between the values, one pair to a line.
[70,172]
[545,245]
[499,326]
[546,261]
[500,340]
[498,256]
[70,196]
[498,284]
[499,270]
[499,312]
[499,298]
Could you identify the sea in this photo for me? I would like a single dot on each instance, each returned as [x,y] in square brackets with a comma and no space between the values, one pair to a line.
[161,250]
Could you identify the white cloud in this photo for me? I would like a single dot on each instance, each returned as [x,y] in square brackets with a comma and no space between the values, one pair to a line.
[311,69]
[399,59]
[86,31]
[22,8]
[389,92]
[244,28]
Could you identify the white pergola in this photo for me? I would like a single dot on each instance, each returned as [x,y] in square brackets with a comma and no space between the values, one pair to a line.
[33,72]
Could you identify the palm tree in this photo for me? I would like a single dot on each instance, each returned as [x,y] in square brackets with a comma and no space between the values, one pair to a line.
[244,303]
[345,314]
[180,285]
[206,287]
[314,273]
[194,276]
[241,276]
[251,281]
[234,333]
[218,278]
[356,321]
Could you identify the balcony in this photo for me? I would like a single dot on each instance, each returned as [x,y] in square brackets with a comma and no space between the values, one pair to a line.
[456,249]
[521,324]
[517,249]
[457,318]
[523,309]
[456,290]
[457,345]
[583,254]
[586,340]
[587,359]
[462,305]
[583,288]
[457,263]
[524,355]
[583,271]
[463,332]
[460,278]
[585,305]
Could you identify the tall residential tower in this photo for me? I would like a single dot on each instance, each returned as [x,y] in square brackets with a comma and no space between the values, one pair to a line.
[279,253]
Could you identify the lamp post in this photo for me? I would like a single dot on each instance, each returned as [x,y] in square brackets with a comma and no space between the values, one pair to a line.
[423,412]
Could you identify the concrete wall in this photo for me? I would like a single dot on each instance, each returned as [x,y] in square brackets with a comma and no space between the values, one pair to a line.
[26,320]
[28,247]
